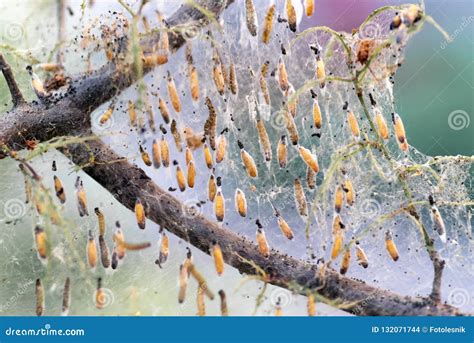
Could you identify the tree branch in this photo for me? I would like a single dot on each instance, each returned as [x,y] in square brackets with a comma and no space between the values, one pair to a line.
[43,121]
[17,96]
[128,182]
[438,264]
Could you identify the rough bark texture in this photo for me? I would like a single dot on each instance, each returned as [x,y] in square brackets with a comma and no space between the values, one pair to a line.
[17,97]
[69,114]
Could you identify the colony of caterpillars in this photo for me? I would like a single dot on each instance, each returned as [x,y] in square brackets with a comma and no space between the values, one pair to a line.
[212,145]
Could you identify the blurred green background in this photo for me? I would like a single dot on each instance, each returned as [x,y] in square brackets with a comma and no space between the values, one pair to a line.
[434,88]
[437,78]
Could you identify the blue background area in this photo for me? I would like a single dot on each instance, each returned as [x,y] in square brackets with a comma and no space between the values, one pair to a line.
[242,329]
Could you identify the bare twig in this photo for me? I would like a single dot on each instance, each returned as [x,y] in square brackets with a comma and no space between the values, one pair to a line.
[17,96]
[61,30]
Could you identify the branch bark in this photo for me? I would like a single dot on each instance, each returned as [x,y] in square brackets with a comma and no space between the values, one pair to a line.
[128,182]
[438,265]
[70,115]
[17,96]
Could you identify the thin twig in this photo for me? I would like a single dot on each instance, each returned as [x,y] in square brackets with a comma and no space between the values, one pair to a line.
[17,96]
[438,262]
[61,30]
